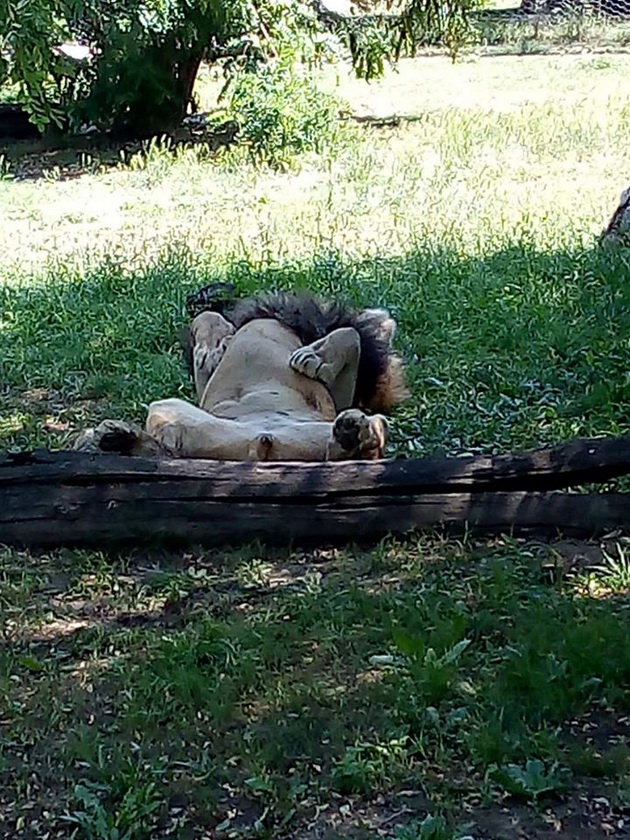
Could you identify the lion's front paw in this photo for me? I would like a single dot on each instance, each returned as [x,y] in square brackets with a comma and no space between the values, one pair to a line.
[305,360]
[207,355]
[365,437]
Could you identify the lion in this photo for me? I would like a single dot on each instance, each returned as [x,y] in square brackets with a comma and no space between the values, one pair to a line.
[278,377]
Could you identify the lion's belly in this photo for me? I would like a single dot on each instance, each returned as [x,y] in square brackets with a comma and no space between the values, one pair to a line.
[275,401]
[254,377]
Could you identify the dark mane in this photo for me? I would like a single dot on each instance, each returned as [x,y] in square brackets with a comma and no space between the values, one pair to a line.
[311,319]
[379,381]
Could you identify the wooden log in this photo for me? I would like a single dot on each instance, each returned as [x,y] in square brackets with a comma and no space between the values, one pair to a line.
[580,461]
[85,517]
[51,499]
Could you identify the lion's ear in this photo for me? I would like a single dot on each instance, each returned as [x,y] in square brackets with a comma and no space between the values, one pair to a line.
[380,321]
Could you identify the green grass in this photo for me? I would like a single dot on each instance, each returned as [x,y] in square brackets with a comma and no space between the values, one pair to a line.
[250,690]
[407,690]
[506,350]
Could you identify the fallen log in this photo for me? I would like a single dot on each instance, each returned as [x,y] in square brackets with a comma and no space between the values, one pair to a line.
[381,120]
[70,498]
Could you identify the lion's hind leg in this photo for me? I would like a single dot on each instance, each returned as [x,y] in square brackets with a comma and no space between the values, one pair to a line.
[333,361]
[191,432]
[210,334]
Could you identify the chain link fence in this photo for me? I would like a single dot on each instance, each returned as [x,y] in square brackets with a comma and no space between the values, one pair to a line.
[609,8]
[539,26]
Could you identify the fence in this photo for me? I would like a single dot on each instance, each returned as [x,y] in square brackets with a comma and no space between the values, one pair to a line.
[554,25]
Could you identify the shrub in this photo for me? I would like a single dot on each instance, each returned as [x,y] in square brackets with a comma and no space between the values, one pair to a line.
[282,113]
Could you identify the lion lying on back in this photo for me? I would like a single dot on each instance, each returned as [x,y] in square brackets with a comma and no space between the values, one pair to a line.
[279,377]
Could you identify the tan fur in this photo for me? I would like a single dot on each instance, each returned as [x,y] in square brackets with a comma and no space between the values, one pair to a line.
[264,396]
[391,388]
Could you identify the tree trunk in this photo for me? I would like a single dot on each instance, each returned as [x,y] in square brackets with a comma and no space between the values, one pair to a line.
[147,116]
[187,75]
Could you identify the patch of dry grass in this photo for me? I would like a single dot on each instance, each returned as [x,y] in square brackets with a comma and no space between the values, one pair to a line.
[503,145]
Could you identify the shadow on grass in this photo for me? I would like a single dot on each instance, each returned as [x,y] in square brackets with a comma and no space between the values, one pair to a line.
[505,350]
[207,694]
[66,158]
[272,709]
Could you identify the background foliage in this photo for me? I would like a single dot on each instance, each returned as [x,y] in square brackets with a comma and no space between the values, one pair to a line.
[145,54]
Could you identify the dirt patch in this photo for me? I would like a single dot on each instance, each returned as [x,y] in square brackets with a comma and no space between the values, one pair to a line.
[587,813]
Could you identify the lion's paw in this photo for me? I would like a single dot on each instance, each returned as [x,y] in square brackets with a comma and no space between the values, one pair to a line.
[363,436]
[207,355]
[305,360]
[119,437]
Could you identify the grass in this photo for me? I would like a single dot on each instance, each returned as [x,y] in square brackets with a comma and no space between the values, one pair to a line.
[251,694]
[514,348]
[423,689]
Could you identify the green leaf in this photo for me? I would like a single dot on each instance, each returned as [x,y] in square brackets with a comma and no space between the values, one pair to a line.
[530,782]
[30,663]
[456,651]
[407,644]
